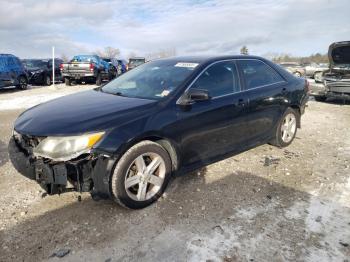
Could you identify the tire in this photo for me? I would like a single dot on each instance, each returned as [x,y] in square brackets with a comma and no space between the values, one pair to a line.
[133,196]
[280,139]
[98,80]
[67,81]
[320,98]
[297,74]
[316,77]
[22,83]
[47,80]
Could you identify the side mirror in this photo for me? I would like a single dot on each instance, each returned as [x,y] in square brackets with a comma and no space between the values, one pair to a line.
[192,96]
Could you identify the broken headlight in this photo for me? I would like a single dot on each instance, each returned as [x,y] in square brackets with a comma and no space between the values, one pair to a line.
[66,148]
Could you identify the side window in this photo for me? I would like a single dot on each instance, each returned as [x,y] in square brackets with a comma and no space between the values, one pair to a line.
[219,79]
[256,73]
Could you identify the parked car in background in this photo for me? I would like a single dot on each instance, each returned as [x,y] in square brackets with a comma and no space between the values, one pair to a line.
[315,71]
[12,72]
[337,79]
[294,68]
[122,66]
[86,68]
[125,140]
[118,65]
[40,70]
[136,61]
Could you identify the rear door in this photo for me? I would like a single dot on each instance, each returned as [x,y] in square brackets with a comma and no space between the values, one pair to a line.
[265,89]
[215,127]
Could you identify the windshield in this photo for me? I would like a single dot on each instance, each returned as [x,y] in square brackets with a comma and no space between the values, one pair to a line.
[35,63]
[136,62]
[154,80]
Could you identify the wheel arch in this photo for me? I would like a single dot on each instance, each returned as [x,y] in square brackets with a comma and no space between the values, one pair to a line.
[166,143]
[297,109]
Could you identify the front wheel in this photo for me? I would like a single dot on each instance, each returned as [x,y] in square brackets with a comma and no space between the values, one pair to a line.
[141,175]
[22,83]
[286,129]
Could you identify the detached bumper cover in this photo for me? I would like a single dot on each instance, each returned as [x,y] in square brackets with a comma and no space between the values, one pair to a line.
[88,174]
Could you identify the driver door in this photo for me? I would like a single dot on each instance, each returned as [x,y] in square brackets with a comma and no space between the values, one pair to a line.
[217,126]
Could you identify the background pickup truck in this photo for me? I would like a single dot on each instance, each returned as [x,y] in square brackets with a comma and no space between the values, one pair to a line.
[87,68]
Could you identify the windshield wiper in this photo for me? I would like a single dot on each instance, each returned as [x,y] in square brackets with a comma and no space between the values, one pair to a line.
[117,94]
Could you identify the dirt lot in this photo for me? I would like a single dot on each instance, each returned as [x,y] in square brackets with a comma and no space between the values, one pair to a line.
[267,204]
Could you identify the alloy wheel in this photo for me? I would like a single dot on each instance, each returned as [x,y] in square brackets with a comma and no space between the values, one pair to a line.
[288,127]
[145,176]
[22,83]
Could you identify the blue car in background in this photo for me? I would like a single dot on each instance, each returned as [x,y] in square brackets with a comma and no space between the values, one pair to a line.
[12,72]
[118,64]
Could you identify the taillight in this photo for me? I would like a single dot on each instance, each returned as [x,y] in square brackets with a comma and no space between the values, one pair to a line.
[127,67]
[307,86]
[92,67]
[61,67]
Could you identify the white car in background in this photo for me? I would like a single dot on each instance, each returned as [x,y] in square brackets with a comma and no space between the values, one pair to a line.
[294,68]
[315,71]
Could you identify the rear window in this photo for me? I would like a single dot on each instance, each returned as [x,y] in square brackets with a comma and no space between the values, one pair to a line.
[136,61]
[256,74]
[84,58]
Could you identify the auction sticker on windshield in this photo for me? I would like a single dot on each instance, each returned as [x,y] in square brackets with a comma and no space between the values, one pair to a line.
[188,65]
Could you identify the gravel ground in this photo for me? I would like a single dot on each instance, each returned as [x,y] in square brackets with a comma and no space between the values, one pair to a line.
[266,204]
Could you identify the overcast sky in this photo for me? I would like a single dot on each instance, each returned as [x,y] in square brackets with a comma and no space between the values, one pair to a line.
[29,28]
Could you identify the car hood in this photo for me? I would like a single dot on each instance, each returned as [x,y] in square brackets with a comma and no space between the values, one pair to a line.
[339,53]
[82,112]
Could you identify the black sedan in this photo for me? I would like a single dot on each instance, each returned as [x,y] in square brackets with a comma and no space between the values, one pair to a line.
[124,140]
[40,70]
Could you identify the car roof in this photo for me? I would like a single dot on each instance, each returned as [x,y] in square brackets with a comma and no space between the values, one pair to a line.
[7,55]
[207,59]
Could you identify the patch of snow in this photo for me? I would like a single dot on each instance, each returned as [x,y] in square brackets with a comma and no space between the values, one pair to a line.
[27,101]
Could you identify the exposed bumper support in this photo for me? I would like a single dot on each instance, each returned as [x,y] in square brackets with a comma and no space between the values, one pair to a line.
[87,174]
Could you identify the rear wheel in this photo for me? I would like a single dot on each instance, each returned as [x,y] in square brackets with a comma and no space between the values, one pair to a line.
[22,83]
[287,128]
[99,80]
[47,80]
[141,175]
[67,81]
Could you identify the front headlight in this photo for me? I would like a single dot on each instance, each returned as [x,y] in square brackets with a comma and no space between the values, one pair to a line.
[66,148]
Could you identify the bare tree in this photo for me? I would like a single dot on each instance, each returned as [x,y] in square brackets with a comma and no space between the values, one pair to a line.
[131,54]
[244,50]
[161,54]
[317,58]
[108,52]
[64,58]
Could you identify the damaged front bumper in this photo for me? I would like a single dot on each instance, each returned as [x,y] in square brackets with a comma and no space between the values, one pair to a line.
[87,173]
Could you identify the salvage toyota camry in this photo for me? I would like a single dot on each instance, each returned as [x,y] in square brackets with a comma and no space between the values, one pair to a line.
[124,140]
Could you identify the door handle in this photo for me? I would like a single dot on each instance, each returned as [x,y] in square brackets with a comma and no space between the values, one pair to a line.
[241,102]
